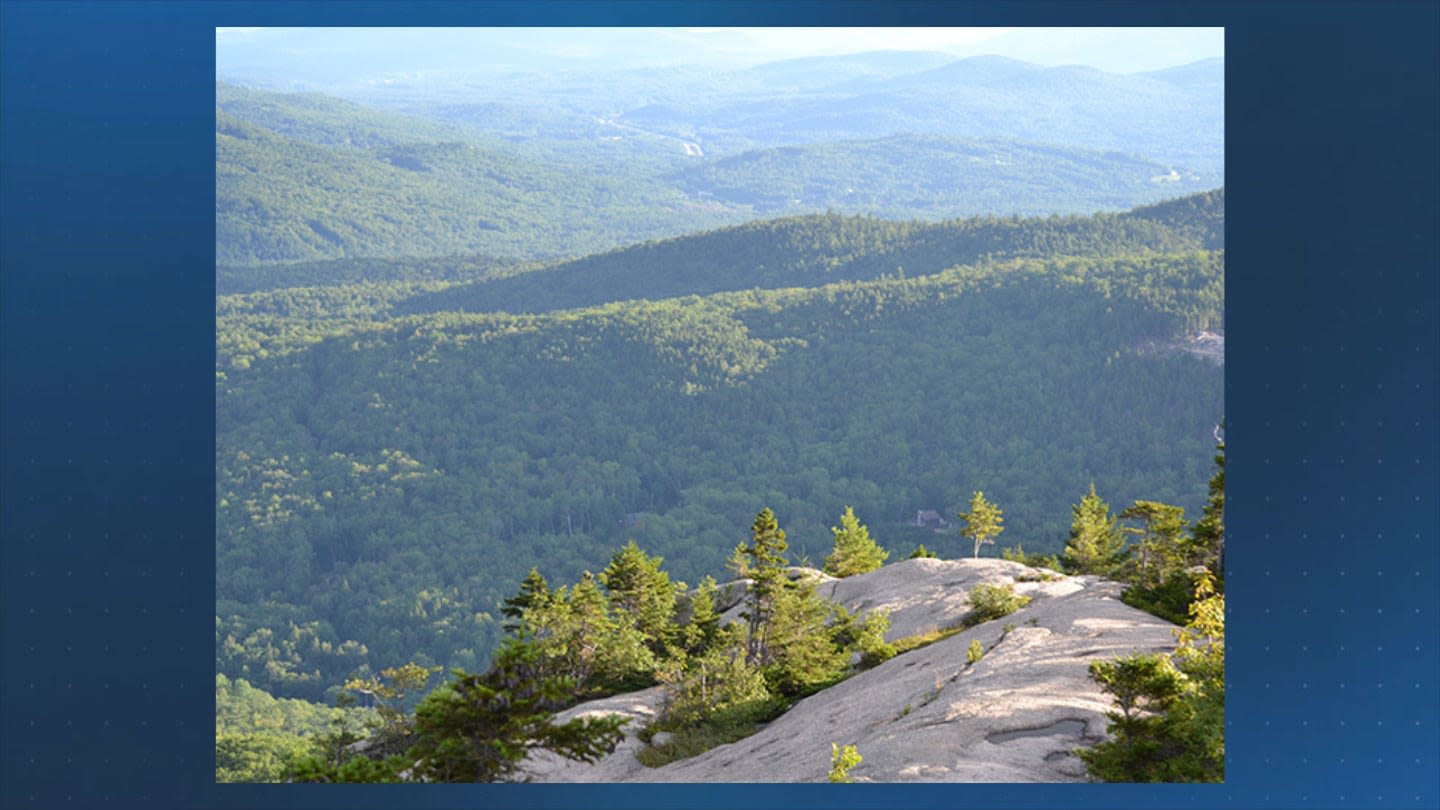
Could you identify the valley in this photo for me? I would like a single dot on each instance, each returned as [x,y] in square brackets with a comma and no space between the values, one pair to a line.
[475,329]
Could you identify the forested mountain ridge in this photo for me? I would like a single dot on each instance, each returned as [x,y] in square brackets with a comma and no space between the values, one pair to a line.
[822,249]
[283,199]
[354,457]
[303,177]
[560,138]
[1200,216]
[936,177]
[329,121]
[233,279]
[794,251]
[492,331]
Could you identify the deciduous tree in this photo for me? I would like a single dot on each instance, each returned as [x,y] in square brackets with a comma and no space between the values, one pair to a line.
[984,521]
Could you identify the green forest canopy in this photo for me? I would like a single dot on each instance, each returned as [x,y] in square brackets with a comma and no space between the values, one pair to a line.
[384,480]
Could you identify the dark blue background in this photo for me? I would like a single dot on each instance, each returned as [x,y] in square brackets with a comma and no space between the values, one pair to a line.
[106,500]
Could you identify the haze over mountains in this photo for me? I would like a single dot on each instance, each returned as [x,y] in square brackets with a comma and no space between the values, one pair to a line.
[355,56]
[471,322]
[600,160]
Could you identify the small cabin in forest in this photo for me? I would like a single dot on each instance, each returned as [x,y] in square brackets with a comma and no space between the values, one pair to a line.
[930,519]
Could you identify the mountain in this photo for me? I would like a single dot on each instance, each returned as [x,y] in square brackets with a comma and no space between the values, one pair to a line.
[470,268]
[281,198]
[832,72]
[494,314]
[304,177]
[420,396]
[937,177]
[384,480]
[815,250]
[331,121]
[1016,715]
[1162,117]
[1197,215]
[1208,73]
[975,71]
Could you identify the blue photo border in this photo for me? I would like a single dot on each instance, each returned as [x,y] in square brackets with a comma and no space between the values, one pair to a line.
[107,417]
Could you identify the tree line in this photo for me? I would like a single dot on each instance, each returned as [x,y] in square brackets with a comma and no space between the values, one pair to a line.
[631,627]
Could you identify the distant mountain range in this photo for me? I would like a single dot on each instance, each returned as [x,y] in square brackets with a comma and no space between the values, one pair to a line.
[936,176]
[286,198]
[1174,116]
[474,322]
[558,170]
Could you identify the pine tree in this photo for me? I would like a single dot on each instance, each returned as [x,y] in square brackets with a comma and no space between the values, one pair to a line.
[983,522]
[801,648]
[715,682]
[608,651]
[588,624]
[641,594]
[854,553]
[534,591]
[1169,723]
[864,635]
[787,632]
[703,626]
[763,562]
[1161,539]
[478,728]
[1096,543]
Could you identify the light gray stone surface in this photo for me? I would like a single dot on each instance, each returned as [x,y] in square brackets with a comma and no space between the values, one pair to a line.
[927,716]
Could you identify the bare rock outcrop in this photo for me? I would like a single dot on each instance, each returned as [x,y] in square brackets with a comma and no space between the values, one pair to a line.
[1016,715]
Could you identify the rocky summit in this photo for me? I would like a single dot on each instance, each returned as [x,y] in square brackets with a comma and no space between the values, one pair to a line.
[927,715]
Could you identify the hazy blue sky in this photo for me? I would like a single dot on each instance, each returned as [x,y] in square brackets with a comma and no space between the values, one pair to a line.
[346,52]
